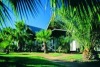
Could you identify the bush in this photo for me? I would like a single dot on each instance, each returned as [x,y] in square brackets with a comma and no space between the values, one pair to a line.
[64,48]
[13,48]
[4,44]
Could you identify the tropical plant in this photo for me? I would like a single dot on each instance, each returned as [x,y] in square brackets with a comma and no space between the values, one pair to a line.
[64,44]
[56,24]
[44,36]
[7,38]
[20,34]
[79,24]
[32,5]
[30,45]
[15,39]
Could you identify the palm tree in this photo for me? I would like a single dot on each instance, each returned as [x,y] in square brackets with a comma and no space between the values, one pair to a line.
[44,36]
[20,34]
[7,38]
[78,22]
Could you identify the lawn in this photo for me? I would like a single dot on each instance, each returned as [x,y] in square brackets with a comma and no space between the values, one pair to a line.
[25,59]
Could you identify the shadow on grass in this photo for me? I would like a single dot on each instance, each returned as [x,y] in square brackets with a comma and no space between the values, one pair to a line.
[78,64]
[90,64]
[25,62]
[41,62]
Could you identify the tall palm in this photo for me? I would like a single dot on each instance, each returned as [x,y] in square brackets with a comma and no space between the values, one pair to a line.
[78,22]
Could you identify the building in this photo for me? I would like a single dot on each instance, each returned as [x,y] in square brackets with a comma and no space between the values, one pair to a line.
[56,33]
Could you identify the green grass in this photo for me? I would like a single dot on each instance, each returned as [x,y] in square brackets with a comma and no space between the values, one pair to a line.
[25,60]
[55,54]
[73,57]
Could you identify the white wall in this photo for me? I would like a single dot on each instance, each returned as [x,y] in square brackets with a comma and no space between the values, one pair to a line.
[73,45]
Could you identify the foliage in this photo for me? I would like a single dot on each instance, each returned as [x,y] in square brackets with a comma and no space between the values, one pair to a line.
[78,22]
[6,36]
[23,7]
[20,25]
[4,14]
[4,44]
[17,7]
[16,38]
[57,24]
[64,44]
[22,36]
[43,35]
[30,45]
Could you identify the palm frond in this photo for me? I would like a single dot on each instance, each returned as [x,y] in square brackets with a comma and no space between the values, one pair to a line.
[26,7]
[4,13]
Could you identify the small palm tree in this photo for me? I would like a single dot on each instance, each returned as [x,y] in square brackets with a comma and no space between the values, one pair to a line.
[44,36]
[7,38]
[20,34]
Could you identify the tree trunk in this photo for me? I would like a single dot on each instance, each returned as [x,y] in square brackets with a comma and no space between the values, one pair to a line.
[20,49]
[7,51]
[90,54]
[45,47]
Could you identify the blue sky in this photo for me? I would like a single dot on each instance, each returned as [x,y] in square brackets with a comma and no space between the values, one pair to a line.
[41,20]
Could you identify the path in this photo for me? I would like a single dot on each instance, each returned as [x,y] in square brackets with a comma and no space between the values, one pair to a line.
[59,60]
